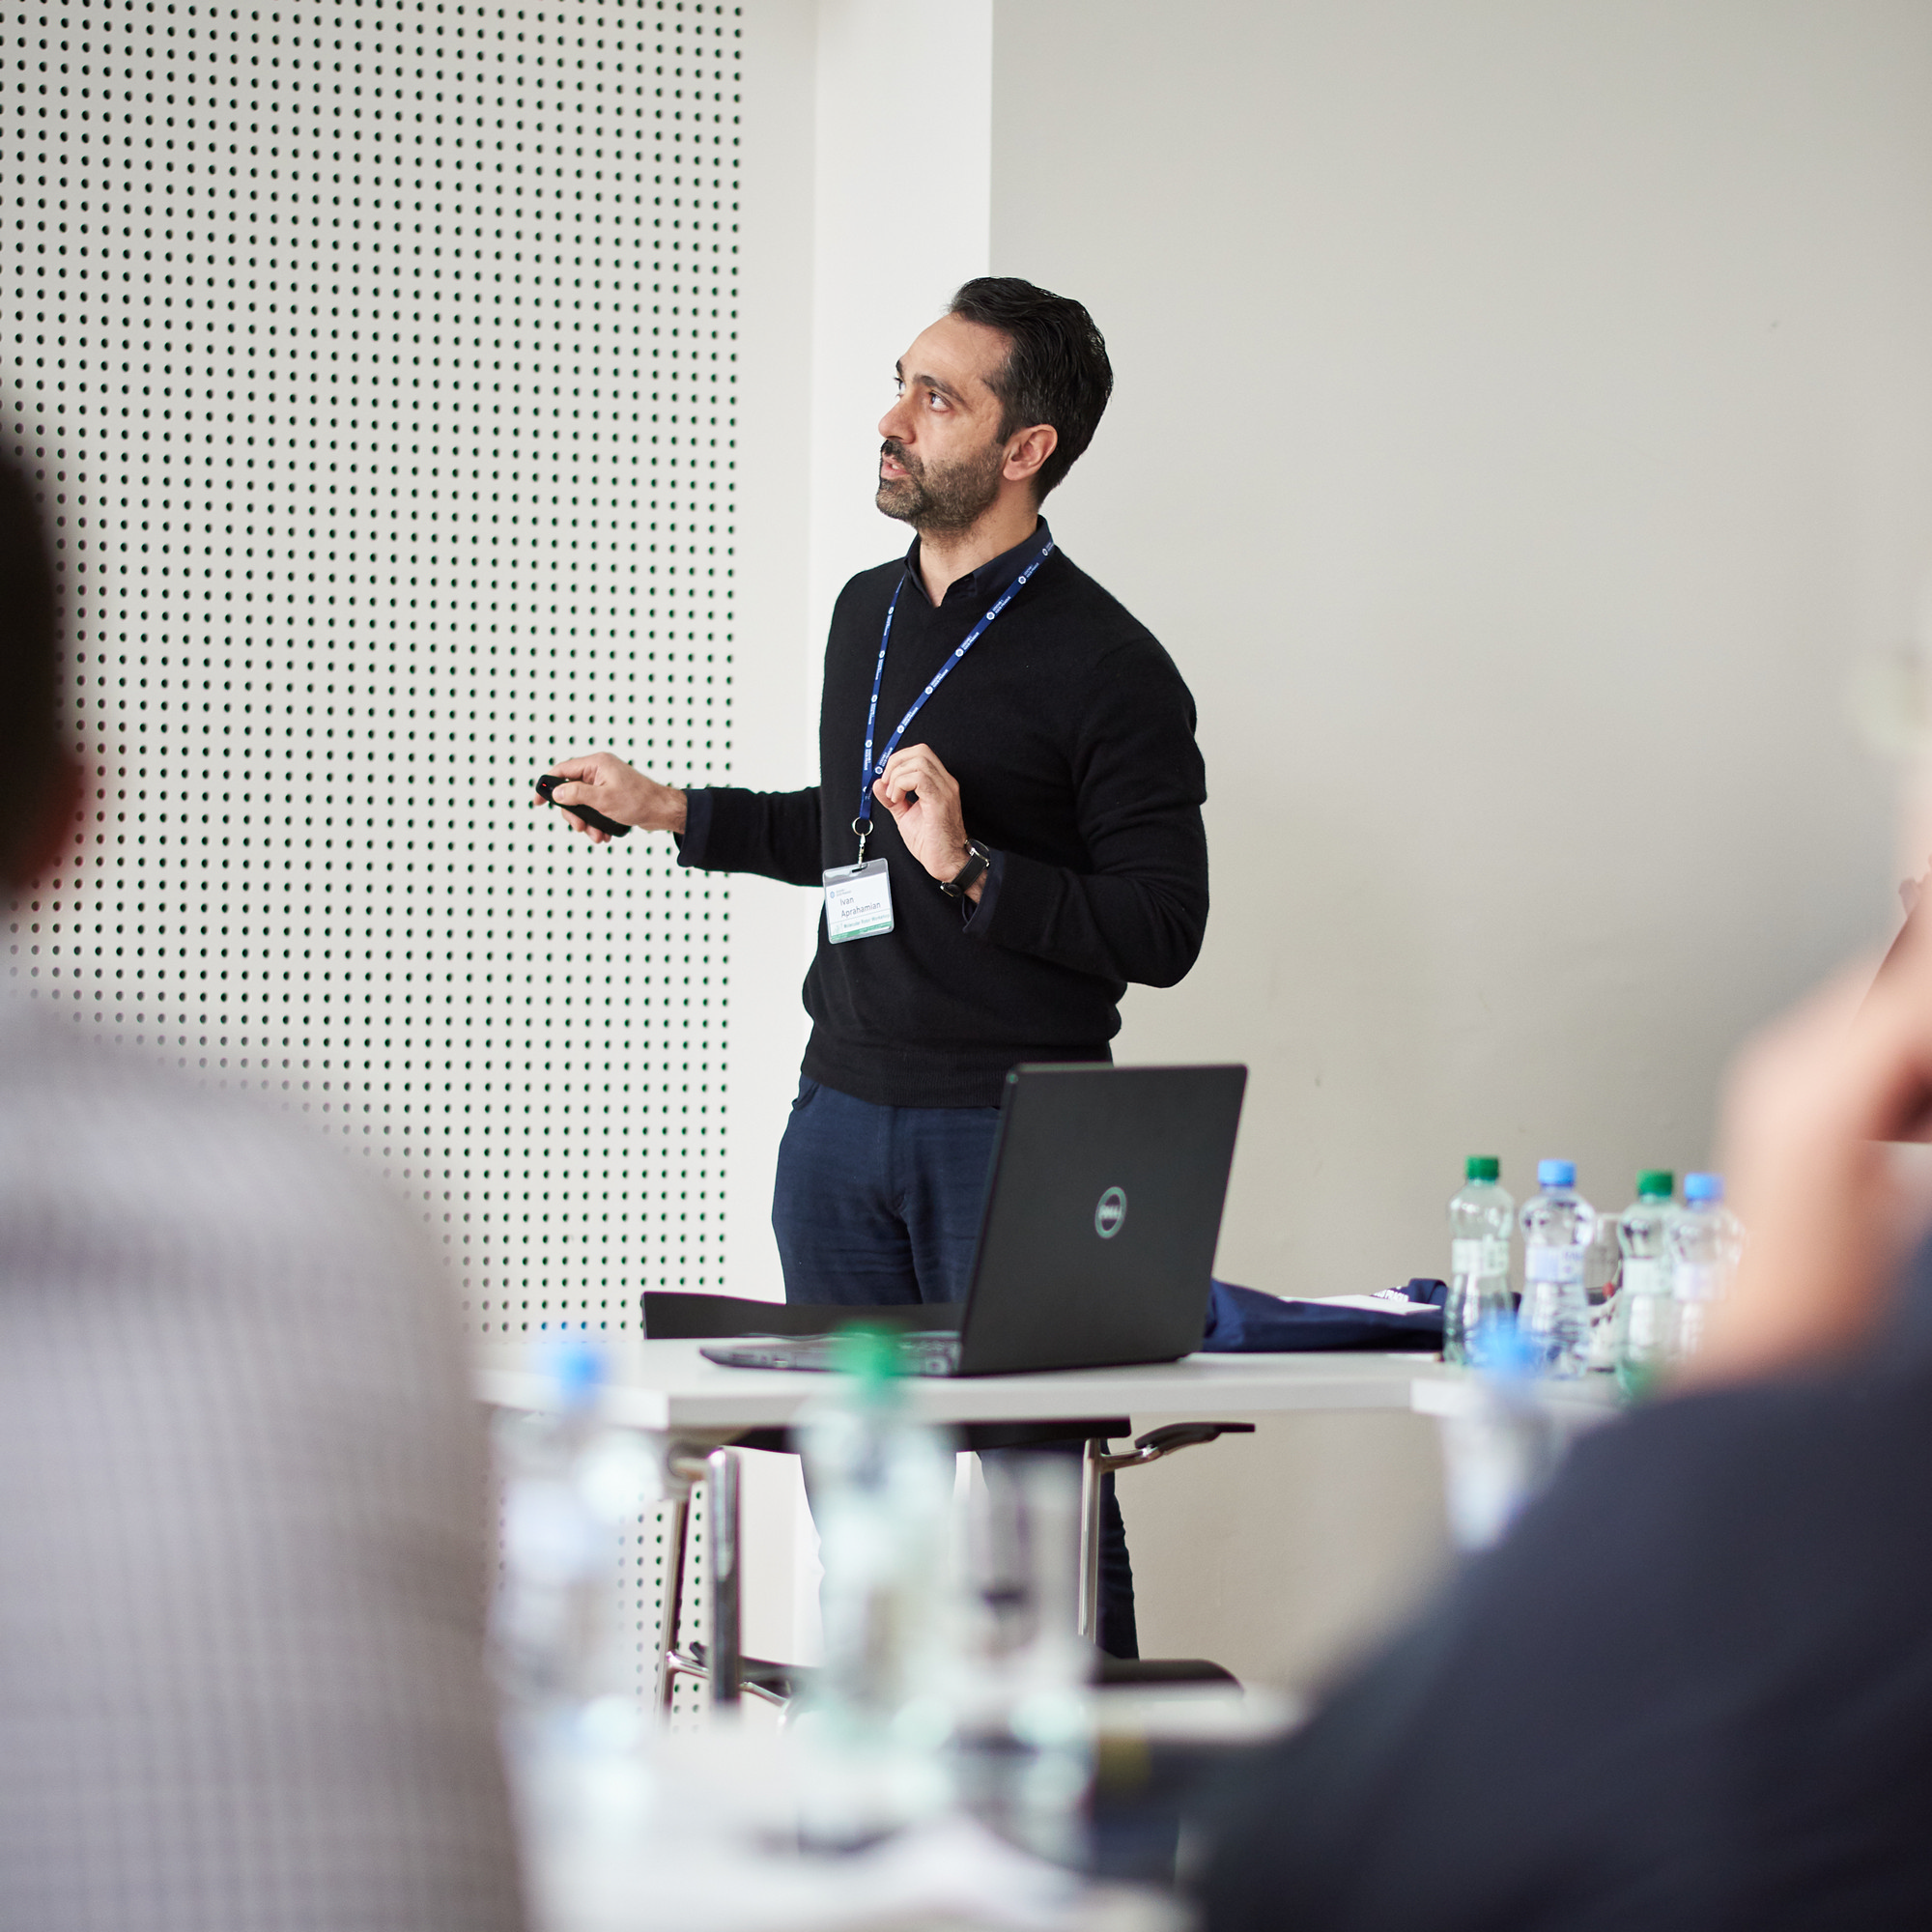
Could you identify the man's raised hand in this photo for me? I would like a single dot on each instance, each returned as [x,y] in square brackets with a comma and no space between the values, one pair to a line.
[923,797]
[607,783]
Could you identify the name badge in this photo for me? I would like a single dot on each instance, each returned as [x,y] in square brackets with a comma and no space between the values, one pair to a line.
[857,901]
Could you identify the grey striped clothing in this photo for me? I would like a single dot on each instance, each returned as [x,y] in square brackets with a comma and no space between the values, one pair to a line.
[242,1525]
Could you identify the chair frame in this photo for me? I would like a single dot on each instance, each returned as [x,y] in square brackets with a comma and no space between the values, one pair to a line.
[721,1663]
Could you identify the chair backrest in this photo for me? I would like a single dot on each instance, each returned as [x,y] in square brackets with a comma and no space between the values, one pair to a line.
[672,1315]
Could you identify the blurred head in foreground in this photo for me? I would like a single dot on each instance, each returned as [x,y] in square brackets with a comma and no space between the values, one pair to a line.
[37,777]
[241,1495]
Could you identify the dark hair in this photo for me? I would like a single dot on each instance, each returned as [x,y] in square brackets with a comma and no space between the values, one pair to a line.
[1056,369]
[29,662]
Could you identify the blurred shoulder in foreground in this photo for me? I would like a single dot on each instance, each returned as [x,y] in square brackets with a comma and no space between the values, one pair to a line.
[242,1495]
[241,1482]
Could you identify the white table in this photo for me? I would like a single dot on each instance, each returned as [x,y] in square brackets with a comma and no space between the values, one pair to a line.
[669,1389]
[695,1408]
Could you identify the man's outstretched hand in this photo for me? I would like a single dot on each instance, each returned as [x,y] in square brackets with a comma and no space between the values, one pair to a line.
[924,798]
[607,784]
[1830,1219]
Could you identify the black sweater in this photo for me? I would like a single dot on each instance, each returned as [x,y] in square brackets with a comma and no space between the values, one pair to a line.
[1071,736]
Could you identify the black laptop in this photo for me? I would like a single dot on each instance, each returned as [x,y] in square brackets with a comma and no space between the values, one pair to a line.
[1096,1240]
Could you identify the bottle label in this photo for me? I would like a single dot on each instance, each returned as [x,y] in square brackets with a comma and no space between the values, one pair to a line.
[1643,1275]
[1647,1326]
[1482,1257]
[1699,1281]
[1549,1264]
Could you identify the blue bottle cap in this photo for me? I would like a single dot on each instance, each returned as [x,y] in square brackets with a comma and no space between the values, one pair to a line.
[1703,1187]
[576,1365]
[1562,1174]
[1502,1351]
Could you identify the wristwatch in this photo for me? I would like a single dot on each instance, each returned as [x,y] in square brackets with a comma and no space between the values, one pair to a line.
[969,876]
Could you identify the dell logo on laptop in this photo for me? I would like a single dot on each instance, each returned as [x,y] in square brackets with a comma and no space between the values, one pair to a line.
[1110,1213]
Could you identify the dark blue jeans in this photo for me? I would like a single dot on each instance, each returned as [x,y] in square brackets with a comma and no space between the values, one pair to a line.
[879,1207]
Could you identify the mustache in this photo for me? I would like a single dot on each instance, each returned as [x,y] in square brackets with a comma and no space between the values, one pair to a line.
[897,452]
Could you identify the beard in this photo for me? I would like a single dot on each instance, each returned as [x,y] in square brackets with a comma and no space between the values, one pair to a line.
[942,501]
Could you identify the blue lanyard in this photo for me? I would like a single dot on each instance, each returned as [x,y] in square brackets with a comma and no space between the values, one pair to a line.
[863,823]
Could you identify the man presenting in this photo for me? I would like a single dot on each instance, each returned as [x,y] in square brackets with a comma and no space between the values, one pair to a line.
[1007,828]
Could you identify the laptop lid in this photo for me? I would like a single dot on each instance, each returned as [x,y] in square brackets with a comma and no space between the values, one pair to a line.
[1103,1207]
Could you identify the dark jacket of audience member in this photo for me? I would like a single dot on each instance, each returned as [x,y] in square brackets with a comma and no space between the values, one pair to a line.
[1692,1689]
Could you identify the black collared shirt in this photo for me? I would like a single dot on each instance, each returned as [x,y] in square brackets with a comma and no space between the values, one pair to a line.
[981,588]
[1071,737]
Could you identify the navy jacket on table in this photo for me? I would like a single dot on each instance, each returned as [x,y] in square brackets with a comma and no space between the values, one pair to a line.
[1692,1690]
[1071,737]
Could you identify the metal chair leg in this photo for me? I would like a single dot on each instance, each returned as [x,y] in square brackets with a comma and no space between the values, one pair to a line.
[1093,1472]
[723,1659]
[1097,1464]
[676,1525]
[720,1662]
[683,1468]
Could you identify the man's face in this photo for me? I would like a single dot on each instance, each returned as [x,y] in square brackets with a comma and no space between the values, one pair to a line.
[941,463]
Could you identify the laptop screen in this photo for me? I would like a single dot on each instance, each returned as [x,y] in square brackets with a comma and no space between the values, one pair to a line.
[1103,1208]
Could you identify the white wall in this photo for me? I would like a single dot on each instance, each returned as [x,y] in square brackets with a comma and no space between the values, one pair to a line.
[865,206]
[849,105]
[901,181]
[1523,420]
[775,699]
[1524,416]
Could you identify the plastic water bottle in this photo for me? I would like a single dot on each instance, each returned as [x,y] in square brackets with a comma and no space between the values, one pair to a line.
[1558,1226]
[575,1722]
[576,1496]
[1481,1219]
[1645,1314]
[1706,1242]
[1500,1445]
[1022,1743]
[572,1487]
[878,1718]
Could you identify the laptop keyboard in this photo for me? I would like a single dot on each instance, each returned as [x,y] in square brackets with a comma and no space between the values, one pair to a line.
[921,1351]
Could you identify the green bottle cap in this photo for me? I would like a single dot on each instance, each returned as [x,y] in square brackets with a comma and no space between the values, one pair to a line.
[1482,1167]
[1656,1183]
[869,1354]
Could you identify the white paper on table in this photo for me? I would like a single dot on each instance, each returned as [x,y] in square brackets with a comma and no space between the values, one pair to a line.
[1389,1301]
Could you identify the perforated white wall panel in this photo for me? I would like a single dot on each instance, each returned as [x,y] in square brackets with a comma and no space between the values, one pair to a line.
[379,367]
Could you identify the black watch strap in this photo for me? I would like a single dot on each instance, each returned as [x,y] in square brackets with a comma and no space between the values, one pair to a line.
[969,875]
